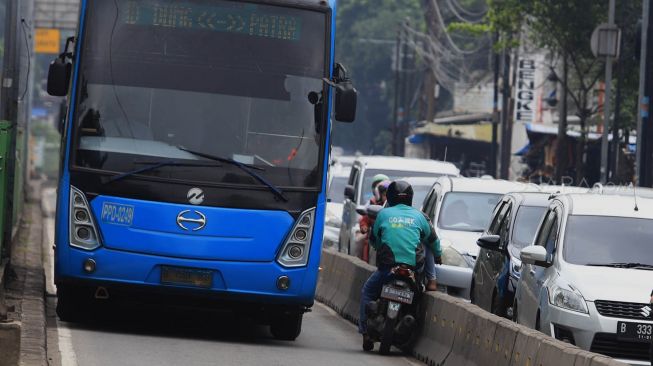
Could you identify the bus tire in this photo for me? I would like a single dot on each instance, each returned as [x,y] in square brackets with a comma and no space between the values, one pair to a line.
[287,327]
[72,305]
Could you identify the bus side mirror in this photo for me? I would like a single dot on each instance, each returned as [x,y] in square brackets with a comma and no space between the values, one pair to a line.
[345,103]
[346,95]
[60,71]
[59,77]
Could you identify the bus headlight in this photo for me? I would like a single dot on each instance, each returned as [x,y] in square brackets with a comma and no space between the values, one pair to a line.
[294,252]
[83,232]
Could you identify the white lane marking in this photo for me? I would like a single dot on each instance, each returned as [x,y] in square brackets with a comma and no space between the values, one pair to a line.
[68,357]
[66,350]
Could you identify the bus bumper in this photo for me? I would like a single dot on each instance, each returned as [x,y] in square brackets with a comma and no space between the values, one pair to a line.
[120,271]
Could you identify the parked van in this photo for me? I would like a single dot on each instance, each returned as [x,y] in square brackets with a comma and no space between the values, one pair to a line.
[359,187]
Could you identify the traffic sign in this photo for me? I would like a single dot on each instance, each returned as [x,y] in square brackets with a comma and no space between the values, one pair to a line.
[47,40]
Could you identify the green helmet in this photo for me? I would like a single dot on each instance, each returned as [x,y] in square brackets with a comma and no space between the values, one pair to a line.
[378,179]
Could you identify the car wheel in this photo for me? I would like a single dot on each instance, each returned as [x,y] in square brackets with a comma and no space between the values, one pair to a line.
[498,306]
[538,325]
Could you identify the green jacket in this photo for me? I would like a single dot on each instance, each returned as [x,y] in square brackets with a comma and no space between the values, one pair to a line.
[399,233]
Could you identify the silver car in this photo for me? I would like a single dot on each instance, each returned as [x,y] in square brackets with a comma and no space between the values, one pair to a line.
[589,274]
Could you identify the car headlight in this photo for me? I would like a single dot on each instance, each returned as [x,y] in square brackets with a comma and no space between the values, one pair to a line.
[451,257]
[569,299]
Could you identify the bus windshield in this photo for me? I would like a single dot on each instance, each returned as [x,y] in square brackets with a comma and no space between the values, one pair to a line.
[224,78]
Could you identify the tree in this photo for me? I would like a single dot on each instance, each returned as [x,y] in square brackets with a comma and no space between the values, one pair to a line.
[365,43]
[564,28]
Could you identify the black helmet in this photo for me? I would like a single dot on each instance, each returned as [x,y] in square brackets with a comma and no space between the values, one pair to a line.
[400,192]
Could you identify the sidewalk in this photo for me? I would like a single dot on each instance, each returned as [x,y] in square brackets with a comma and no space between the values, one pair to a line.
[23,336]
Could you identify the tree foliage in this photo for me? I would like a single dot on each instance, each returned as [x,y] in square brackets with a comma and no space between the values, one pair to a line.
[365,36]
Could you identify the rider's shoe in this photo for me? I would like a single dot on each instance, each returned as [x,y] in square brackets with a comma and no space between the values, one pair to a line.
[431,285]
[368,345]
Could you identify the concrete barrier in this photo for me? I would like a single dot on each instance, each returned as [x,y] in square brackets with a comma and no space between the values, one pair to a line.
[10,343]
[454,332]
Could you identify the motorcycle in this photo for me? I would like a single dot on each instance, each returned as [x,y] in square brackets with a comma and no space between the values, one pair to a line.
[392,319]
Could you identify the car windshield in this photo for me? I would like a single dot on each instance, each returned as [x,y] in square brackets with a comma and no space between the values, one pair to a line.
[222,78]
[526,223]
[467,211]
[607,240]
[393,175]
[337,189]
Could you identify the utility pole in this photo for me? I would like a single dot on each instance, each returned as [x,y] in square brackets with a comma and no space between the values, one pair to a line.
[606,104]
[492,169]
[561,147]
[505,117]
[614,164]
[404,105]
[644,144]
[395,120]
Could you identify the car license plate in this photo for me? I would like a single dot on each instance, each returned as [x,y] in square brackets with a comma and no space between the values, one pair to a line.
[638,332]
[399,295]
[186,277]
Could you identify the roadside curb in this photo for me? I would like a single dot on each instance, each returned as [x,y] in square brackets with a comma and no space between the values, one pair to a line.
[25,290]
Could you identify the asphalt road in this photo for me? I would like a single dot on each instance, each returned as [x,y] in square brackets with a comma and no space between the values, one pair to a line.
[153,336]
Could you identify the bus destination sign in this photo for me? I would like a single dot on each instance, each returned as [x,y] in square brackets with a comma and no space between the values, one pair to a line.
[244,19]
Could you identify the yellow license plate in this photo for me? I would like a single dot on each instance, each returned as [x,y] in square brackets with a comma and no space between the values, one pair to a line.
[186,277]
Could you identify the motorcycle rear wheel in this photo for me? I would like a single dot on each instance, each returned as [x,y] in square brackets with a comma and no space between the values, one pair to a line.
[386,338]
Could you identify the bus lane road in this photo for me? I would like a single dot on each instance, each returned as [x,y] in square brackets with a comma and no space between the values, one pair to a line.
[171,336]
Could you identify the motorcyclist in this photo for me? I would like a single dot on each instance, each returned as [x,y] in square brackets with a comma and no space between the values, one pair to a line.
[366,222]
[398,234]
[375,199]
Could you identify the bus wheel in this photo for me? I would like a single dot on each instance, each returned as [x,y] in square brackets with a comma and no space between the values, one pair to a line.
[287,326]
[72,305]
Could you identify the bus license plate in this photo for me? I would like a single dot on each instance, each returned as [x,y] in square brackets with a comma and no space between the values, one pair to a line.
[186,277]
[399,295]
[638,332]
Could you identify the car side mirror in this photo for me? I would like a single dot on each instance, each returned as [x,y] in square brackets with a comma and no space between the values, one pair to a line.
[491,242]
[373,210]
[535,255]
[349,192]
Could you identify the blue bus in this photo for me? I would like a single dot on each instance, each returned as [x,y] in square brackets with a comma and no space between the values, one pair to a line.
[195,154]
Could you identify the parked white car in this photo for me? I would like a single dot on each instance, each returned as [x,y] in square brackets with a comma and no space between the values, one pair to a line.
[589,274]
[461,209]
[338,175]
[359,187]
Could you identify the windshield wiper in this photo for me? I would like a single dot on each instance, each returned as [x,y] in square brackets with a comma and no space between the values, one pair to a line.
[246,168]
[622,265]
[153,166]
